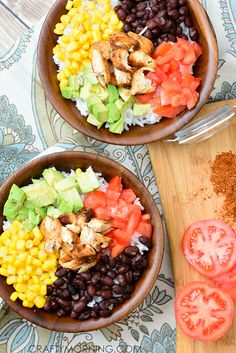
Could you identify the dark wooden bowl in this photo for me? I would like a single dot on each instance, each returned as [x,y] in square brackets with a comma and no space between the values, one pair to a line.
[67,161]
[206,69]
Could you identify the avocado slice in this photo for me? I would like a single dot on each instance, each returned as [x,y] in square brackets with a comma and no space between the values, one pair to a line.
[100,112]
[31,217]
[103,94]
[94,121]
[73,82]
[66,184]
[124,93]
[92,101]
[69,201]
[141,109]
[85,92]
[113,113]
[51,175]
[53,212]
[14,202]
[84,183]
[113,93]
[67,92]
[118,126]
[40,194]
[92,178]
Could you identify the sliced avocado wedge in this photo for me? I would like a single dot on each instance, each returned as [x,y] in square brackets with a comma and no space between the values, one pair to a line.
[100,112]
[113,113]
[73,82]
[113,93]
[66,184]
[14,202]
[141,109]
[40,194]
[69,201]
[67,92]
[92,101]
[94,121]
[51,175]
[118,126]
[124,93]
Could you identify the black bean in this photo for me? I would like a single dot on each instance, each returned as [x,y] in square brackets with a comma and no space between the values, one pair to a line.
[136,275]
[136,261]
[105,313]
[122,258]
[160,21]
[127,28]
[182,2]
[116,8]
[66,294]
[151,24]
[138,29]
[183,10]
[123,269]
[126,296]
[78,282]
[173,14]
[121,279]
[53,304]
[91,290]
[146,241]
[69,275]
[87,298]
[61,312]
[96,278]
[184,36]
[58,292]
[62,302]
[188,22]
[193,33]
[105,293]
[85,315]
[47,306]
[49,290]
[73,314]
[162,13]
[117,289]
[121,14]
[140,14]
[59,282]
[61,272]
[78,306]
[93,314]
[86,276]
[154,2]
[108,281]
[131,250]
[129,276]
[130,18]
[129,288]
[179,30]
[141,6]
[111,274]
[103,269]
[172,4]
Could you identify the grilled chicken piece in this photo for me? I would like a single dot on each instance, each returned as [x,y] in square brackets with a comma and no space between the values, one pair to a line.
[104,47]
[76,221]
[120,39]
[97,241]
[52,232]
[140,59]
[100,67]
[100,226]
[68,237]
[86,267]
[119,58]
[123,79]
[145,44]
[79,255]
[141,84]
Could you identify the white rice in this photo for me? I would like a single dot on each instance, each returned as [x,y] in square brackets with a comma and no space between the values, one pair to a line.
[102,181]
[81,105]
[6,225]
[138,203]
[68,175]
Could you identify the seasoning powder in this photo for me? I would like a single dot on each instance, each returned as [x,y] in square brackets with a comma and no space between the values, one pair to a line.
[223,178]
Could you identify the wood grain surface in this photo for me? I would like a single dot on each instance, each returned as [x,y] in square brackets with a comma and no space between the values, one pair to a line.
[183,178]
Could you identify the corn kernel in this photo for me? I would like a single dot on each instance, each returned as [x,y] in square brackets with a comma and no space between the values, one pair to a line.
[21,271]
[72,12]
[59,29]
[86,46]
[120,25]
[34,251]
[65,19]
[43,290]
[36,279]
[20,245]
[76,56]
[106,7]
[21,296]
[106,18]
[39,302]
[11,270]
[91,5]
[37,234]
[77,3]
[3,251]
[11,279]
[14,296]
[17,263]
[35,288]
[22,256]
[20,287]
[69,5]
[25,303]
[63,83]
[26,277]
[30,296]
[37,263]
[29,244]
[39,272]
[29,269]
[20,279]
[105,36]
[97,35]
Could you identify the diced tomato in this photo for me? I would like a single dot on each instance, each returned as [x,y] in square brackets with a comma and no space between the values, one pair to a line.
[165,67]
[122,203]
[197,49]
[189,54]
[128,196]
[115,184]
[210,247]
[120,223]
[145,229]
[95,199]
[170,89]
[134,219]
[174,66]
[117,249]
[122,212]
[144,98]
[191,98]
[146,217]
[160,75]
[122,237]
[176,77]
[102,213]
[185,69]
[177,52]
[151,76]
[169,111]
[112,198]
[162,49]
[178,100]
[203,311]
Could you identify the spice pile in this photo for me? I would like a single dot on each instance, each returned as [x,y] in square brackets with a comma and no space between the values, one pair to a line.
[223,178]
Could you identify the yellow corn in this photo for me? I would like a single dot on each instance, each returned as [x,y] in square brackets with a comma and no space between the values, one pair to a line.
[11,279]
[69,5]
[20,245]
[14,296]
[65,19]
[39,302]
[63,83]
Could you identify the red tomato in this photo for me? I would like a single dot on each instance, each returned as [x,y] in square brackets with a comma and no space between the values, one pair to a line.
[191,98]
[115,184]
[144,98]
[177,52]
[203,311]
[160,75]
[117,249]
[169,111]
[122,212]
[178,100]
[128,196]
[112,198]
[227,283]
[102,213]
[210,247]
[95,199]
[120,223]
[151,76]
[185,69]
[145,229]
[189,54]
[191,82]
[174,66]
[197,49]
[134,219]
[146,217]
[162,49]
[165,67]
[122,237]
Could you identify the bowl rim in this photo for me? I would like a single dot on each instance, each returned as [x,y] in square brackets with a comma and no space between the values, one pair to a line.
[132,303]
[147,134]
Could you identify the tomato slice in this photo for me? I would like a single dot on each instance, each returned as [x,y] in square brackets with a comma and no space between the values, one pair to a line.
[227,283]
[134,219]
[102,213]
[144,98]
[197,49]
[162,49]
[169,111]
[122,237]
[210,247]
[145,229]
[151,76]
[115,184]
[112,198]
[203,311]
[117,249]
[95,199]
[120,223]
[128,195]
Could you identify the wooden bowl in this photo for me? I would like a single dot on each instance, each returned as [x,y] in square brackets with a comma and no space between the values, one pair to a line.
[67,161]
[206,69]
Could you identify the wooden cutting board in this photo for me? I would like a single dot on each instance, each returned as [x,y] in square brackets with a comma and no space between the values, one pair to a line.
[183,178]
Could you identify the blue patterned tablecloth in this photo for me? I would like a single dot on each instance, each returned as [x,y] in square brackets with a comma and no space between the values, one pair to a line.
[30,126]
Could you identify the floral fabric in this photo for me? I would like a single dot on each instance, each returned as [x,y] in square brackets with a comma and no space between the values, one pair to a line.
[29,126]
